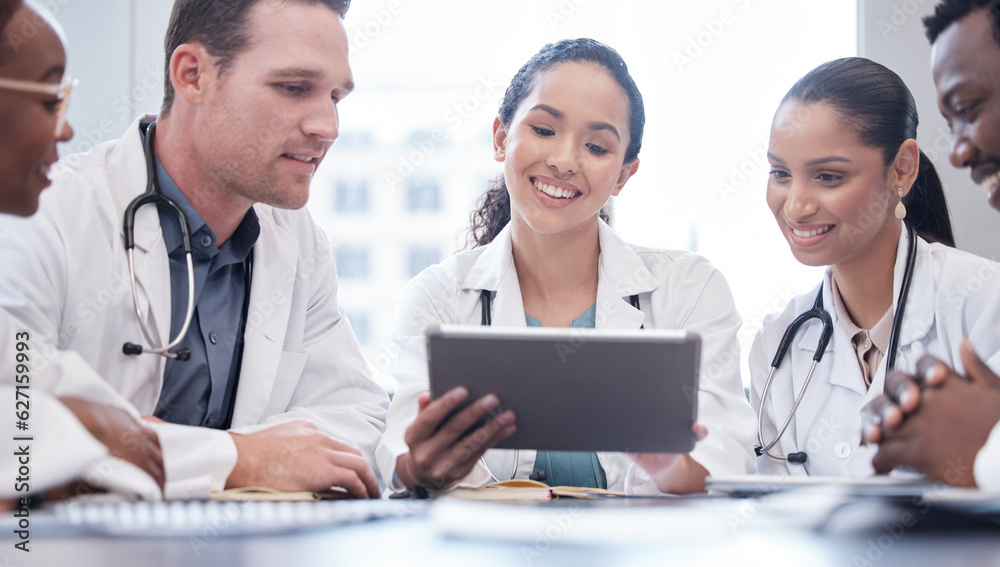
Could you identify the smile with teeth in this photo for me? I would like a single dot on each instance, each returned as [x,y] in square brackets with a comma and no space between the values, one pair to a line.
[808,233]
[990,182]
[305,159]
[557,192]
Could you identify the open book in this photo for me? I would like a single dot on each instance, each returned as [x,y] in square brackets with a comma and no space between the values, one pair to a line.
[262,493]
[529,490]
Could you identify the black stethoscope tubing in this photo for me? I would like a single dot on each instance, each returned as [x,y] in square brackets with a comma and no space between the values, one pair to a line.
[817,312]
[153,195]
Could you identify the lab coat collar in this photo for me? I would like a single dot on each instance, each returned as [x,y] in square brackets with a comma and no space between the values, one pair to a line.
[494,270]
[621,274]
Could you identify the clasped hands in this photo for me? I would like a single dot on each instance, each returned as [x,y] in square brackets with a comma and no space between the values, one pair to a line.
[937,420]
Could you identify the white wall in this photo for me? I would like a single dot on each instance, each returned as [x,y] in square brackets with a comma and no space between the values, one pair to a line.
[115,48]
[891,32]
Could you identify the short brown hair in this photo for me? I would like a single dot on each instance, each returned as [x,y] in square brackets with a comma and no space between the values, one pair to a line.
[218,25]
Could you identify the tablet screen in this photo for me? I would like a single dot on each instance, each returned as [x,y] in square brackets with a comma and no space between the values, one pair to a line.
[577,389]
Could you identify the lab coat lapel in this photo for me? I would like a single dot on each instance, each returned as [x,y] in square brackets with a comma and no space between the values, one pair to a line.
[918,316]
[621,274]
[275,266]
[494,271]
[127,178]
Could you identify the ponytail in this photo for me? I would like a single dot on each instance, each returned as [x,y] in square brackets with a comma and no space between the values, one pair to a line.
[926,206]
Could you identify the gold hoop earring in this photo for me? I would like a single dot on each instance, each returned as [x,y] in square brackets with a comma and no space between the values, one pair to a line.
[900,211]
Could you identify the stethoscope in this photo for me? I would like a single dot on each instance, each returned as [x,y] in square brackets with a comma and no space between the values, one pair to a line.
[154,195]
[817,312]
[486,301]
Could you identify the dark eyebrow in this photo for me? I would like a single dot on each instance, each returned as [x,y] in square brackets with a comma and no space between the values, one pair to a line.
[296,73]
[828,159]
[604,126]
[819,161]
[300,73]
[558,115]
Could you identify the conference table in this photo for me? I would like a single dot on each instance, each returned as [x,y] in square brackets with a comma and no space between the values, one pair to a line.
[820,527]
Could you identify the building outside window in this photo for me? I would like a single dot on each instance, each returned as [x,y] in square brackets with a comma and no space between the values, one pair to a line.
[351,196]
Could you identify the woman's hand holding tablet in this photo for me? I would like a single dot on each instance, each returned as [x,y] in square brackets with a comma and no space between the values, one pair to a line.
[442,449]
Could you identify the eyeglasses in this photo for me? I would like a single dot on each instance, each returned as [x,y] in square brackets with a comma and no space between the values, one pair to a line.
[62,92]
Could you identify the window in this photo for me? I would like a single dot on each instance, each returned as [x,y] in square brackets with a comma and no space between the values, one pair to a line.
[424,195]
[351,196]
[352,262]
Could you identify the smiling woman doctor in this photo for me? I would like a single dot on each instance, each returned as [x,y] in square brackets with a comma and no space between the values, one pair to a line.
[847,181]
[568,134]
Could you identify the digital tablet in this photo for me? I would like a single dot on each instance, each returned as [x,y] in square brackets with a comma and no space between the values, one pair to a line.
[577,389]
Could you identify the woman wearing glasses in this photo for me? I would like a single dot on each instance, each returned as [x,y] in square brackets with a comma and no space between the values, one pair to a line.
[34,95]
[71,436]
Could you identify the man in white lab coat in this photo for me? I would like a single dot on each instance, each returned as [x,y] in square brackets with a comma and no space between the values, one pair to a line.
[950,428]
[270,387]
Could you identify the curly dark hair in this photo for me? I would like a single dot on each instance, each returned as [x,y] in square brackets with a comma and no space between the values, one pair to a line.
[950,11]
[493,210]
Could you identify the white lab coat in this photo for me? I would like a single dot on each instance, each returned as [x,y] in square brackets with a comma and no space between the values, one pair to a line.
[55,449]
[61,449]
[953,295]
[677,290]
[65,275]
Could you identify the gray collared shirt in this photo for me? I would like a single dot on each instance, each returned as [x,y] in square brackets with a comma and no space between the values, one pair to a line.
[200,391]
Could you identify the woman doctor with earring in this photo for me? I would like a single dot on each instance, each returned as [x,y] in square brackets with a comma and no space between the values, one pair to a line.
[568,134]
[847,179]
